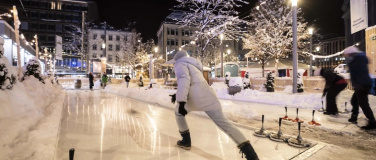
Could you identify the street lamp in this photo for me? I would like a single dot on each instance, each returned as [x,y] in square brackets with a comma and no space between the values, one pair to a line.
[310,32]
[221,37]
[294,4]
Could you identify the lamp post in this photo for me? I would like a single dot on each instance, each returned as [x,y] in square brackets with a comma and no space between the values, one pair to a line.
[221,36]
[294,4]
[228,53]
[317,50]
[150,66]
[310,32]
[17,34]
[156,51]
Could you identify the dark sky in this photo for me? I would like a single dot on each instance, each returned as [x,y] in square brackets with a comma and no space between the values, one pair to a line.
[148,14]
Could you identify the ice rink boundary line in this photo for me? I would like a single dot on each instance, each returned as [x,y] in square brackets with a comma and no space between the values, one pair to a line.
[61,117]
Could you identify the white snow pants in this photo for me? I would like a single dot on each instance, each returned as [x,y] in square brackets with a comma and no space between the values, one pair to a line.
[220,120]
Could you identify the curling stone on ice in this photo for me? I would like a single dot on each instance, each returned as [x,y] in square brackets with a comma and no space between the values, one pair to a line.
[313,122]
[286,117]
[297,117]
[262,132]
[279,137]
[299,141]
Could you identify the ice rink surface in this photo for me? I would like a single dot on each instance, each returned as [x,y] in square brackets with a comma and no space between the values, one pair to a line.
[104,126]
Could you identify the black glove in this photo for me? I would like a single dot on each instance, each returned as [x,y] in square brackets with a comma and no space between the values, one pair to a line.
[173,98]
[182,111]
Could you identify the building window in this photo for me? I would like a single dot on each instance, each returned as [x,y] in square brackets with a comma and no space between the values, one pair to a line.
[94,55]
[51,27]
[168,42]
[172,31]
[118,38]
[110,58]
[117,47]
[94,47]
[172,42]
[95,36]
[168,31]
[102,36]
[53,5]
[110,37]
[117,58]
[110,47]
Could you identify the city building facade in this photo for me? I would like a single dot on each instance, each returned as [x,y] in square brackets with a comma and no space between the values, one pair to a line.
[329,47]
[108,43]
[48,18]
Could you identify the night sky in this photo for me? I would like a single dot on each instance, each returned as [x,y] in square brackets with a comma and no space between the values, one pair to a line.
[148,14]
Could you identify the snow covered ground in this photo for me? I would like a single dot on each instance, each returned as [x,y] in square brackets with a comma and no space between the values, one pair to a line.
[30,117]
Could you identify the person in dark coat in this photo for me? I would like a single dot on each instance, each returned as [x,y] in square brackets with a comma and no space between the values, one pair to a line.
[141,82]
[362,83]
[127,79]
[91,80]
[334,84]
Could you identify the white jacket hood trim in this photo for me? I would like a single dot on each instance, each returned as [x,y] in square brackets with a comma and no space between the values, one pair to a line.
[191,61]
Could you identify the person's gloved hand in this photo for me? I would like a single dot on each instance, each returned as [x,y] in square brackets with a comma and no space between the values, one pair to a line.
[182,111]
[173,98]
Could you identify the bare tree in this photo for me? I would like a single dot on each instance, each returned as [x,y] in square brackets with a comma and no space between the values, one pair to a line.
[211,18]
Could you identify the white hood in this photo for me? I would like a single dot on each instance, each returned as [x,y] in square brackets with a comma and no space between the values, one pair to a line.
[191,61]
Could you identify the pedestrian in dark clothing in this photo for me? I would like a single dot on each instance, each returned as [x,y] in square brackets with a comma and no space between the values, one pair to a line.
[127,79]
[362,83]
[334,84]
[91,81]
[141,83]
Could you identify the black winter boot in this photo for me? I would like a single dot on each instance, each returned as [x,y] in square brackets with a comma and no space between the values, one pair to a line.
[371,125]
[186,142]
[354,119]
[247,149]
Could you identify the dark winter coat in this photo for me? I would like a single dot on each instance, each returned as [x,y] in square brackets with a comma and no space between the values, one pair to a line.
[331,78]
[127,78]
[91,80]
[358,66]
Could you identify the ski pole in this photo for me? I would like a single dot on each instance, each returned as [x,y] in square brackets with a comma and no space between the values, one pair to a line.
[313,115]
[262,119]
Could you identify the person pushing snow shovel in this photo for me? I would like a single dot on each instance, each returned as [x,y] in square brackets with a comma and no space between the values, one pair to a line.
[194,94]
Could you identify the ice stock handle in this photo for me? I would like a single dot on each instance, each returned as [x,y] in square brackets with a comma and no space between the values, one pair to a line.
[280,121]
[262,119]
[299,126]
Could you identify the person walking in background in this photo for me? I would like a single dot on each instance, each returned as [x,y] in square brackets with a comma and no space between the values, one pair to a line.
[194,94]
[104,80]
[362,83]
[141,82]
[127,79]
[334,84]
[91,80]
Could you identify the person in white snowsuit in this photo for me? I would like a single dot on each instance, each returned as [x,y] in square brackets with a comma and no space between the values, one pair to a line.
[194,94]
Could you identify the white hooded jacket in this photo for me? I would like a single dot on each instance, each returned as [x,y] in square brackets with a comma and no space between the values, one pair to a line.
[193,88]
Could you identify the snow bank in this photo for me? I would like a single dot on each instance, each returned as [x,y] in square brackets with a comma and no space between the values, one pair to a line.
[30,117]
[160,96]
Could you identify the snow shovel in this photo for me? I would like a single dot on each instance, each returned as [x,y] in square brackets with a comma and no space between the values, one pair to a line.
[297,117]
[298,141]
[286,117]
[313,122]
[279,137]
[262,132]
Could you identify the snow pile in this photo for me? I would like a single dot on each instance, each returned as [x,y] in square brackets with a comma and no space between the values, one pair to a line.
[220,87]
[303,100]
[30,117]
